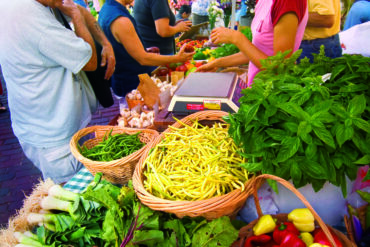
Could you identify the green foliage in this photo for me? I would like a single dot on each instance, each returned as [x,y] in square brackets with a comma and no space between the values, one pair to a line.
[299,122]
[121,220]
[230,49]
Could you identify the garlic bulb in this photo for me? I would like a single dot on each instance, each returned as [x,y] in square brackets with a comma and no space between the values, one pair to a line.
[146,123]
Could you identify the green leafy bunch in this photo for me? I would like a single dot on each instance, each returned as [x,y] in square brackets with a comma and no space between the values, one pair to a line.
[230,49]
[294,125]
[130,223]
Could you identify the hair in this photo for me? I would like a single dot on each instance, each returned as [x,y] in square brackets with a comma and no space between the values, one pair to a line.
[185,9]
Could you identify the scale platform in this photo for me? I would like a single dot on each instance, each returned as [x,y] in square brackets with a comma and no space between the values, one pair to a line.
[206,91]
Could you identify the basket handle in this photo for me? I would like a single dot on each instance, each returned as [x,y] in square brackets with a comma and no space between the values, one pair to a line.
[290,187]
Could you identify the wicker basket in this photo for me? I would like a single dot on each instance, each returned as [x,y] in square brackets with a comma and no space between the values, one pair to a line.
[116,171]
[228,204]
[247,230]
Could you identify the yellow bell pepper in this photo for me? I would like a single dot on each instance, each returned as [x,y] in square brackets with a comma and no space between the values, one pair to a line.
[302,219]
[264,225]
[318,245]
[307,238]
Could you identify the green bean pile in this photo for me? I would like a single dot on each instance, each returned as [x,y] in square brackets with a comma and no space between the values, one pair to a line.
[194,163]
[113,147]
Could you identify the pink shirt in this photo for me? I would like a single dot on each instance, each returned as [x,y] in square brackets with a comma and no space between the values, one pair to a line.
[263,33]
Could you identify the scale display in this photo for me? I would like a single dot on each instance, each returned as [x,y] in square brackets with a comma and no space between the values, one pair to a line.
[206,91]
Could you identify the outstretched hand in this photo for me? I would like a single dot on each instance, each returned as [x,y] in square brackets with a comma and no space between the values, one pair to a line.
[208,67]
[223,35]
[185,56]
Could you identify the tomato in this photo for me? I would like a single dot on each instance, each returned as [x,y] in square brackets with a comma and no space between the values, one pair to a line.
[189,49]
[182,68]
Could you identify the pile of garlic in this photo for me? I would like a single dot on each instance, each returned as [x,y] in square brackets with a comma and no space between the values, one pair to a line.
[134,119]
[135,95]
[163,86]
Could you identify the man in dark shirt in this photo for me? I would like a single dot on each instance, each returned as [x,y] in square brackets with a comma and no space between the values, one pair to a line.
[157,24]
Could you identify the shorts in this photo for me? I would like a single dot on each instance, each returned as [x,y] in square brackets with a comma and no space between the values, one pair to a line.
[56,163]
[331,44]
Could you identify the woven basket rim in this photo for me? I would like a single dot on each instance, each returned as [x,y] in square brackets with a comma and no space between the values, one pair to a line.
[88,130]
[291,187]
[206,204]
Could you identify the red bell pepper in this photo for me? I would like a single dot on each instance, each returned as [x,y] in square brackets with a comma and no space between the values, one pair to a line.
[320,237]
[292,240]
[257,240]
[282,230]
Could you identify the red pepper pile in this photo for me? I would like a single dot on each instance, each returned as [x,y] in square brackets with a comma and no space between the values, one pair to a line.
[287,235]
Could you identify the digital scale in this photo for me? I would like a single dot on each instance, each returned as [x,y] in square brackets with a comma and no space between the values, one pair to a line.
[206,91]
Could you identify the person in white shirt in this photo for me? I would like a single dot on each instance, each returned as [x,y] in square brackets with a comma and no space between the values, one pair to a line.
[49,98]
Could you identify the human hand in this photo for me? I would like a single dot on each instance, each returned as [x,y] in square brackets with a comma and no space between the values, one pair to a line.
[208,67]
[67,7]
[223,35]
[184,26]
[108,59]
[183,55]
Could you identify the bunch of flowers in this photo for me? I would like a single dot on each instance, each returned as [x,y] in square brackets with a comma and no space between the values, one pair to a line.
[251,4]
[226,6]
[176,4]
[214,12]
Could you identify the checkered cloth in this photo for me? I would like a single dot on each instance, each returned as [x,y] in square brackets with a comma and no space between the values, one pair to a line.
[79,181]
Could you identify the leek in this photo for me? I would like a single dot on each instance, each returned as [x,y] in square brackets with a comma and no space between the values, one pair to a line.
[58,192]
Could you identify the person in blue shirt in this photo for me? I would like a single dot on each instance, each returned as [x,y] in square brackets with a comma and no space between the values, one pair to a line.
[358,14]
[241,13]
[132,58]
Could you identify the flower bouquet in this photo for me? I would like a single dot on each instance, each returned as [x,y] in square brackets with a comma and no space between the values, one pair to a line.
[214,12]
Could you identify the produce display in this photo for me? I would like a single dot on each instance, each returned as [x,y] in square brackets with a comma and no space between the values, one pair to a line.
[187,67]
[298,231]
[304,122]
[106,215]
[194,163]
[308,122]
[191,43]
[212,51]
[113,147]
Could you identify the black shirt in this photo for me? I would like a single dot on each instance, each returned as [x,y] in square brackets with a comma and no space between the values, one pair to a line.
[146,12]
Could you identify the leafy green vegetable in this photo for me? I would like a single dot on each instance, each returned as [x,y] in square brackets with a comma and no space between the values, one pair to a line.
[219,232]
[230,49]
[111,216]
[306,122]
[113,147]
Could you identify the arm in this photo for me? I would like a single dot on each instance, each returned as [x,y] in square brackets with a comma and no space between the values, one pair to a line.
[232,60]
[124,32]
[284,38]
[164,29]
[317,20]
[70,9]
[107,54]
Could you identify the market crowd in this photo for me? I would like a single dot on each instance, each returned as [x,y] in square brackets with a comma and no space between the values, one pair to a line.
[48,48]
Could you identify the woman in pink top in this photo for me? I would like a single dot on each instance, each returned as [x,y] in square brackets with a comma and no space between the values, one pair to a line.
[278,25]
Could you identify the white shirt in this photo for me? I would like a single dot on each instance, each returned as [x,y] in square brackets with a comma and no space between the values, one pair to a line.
[48,99]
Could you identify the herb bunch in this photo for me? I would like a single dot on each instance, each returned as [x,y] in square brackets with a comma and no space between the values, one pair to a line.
[294,125]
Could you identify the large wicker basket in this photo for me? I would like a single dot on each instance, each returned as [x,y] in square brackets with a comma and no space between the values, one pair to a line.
[247,230]
[228,204]
[116,171]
